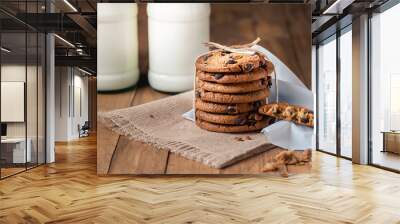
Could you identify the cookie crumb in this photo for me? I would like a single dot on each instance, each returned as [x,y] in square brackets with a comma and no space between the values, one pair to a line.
[239,139]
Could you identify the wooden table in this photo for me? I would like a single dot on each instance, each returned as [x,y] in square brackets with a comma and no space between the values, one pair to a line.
[391,141]
[119,155]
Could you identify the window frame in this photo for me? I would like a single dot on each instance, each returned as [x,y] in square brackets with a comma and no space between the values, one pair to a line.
[333,37]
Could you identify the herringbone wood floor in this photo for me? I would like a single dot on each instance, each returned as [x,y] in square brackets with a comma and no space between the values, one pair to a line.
[70,192]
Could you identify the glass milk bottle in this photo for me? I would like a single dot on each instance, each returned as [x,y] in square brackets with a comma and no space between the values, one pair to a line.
[117,45]
[176,36]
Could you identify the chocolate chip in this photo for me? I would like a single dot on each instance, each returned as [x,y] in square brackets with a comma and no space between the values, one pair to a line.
[197,94]
[304,119]
[248,67]
[240,121]
[206,57]
[152,116]
[262,82]
[251,122]
[248,138]
[271,120]
[269,83]
[231,61]
[231,109]
[263,64]
[276,110]
[256,104]
[217,76]
[223,53]
[251,116]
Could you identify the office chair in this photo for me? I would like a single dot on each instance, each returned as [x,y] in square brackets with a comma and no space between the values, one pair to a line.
[84,130]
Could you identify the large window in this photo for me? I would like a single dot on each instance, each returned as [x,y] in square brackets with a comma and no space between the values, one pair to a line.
[346,92]
[327,95]
[385,88]
[334,83]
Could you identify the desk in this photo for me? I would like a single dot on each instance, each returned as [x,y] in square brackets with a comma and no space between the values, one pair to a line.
[13,150]
[391,141]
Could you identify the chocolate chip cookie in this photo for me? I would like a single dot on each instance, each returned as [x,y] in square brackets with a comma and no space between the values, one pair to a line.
[235,108]
[254,75]
[231,98]
[285,111]
[224,61]
[245,87]
[232,128]
[237,119]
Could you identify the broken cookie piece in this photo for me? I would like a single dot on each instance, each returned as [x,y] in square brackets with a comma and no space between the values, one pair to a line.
[285,111]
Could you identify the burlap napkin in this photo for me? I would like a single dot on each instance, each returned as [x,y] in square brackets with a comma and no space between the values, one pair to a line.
[160,123]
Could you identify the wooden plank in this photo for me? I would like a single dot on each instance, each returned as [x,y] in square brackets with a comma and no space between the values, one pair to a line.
[132,157]
[106,139]
[69,191]
[254,164]
[284,30]
[288,36]
[180,165]
[143,39]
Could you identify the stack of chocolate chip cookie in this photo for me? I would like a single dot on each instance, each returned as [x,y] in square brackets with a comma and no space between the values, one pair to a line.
[229,89]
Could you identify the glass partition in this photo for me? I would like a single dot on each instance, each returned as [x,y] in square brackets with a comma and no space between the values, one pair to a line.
[23,90]
[15,151]
[327,96]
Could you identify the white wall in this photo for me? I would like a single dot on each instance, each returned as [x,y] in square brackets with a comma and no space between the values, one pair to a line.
[79,117]
[62,82]
[34,125]
[69,82]
[12,73]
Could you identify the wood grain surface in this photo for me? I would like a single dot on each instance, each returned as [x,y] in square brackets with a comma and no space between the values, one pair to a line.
[120,155]
[107,138]
[70,191]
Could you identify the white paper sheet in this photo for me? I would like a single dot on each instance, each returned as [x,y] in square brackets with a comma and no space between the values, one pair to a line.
[291,90]
[189,115]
